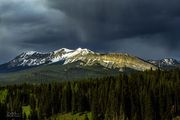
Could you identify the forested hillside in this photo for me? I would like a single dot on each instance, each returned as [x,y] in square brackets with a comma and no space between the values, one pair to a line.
[149,95]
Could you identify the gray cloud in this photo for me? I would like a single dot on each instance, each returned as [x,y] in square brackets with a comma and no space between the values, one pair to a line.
[146,28]
[114,19]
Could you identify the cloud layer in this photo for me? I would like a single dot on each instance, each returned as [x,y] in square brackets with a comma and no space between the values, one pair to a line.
[149,29]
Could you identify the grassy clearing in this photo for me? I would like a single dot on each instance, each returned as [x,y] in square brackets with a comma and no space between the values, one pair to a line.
[26,110]
[70,116]
[3,95]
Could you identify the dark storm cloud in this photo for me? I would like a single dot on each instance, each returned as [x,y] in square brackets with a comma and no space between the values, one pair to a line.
[146,28]
[107,20]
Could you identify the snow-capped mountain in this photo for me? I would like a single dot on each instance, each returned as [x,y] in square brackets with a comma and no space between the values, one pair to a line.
[67,54]
[167,62]
[31,58]
[87,57]
[90,58]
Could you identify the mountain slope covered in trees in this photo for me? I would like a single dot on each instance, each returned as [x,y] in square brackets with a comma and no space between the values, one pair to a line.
[57,73]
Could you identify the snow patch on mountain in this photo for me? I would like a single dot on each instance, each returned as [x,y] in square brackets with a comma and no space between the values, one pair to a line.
[30,52]
[169,61]
[63,49]
[66,54]
[165,62]
[30,58]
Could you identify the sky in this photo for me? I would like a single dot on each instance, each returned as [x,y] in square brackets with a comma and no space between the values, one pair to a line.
[149,29]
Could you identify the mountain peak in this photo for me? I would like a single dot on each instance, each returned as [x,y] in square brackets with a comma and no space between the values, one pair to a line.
[65,50]
[169,61]
[164,62]
[65,54]
[30,52]
[83,51]
[29,58]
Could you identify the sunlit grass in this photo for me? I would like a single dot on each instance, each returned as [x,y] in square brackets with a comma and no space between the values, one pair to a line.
[3,95]
[70,116]
[26,110]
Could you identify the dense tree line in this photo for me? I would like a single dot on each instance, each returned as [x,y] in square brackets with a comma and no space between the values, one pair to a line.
[149,95]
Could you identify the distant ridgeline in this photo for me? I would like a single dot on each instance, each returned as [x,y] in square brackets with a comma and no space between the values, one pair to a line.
[149,95]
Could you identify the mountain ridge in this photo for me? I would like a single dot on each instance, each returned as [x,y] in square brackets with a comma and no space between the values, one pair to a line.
[89,58]
[166,63]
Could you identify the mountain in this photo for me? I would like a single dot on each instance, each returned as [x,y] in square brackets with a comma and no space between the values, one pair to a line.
[66,64]
[26,60]
[66,56]
[166,63]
